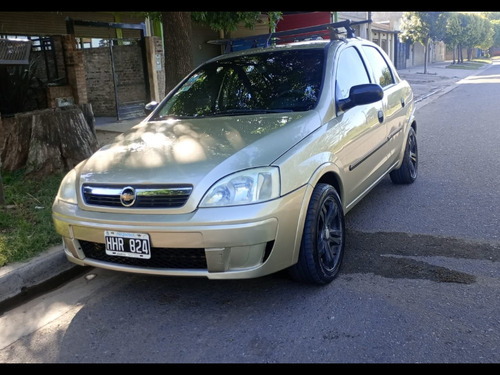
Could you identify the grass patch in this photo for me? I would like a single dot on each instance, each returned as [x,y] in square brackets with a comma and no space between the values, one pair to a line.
[470,65]
[26,227]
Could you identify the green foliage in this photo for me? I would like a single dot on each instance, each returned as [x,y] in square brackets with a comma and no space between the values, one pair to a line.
[456,29]
[423,26]
[229,21]
[225,21]
[412,28]
[492,16]
[26,227]
[496,32]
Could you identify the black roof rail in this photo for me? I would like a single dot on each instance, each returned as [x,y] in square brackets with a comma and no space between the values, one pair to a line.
[331,30]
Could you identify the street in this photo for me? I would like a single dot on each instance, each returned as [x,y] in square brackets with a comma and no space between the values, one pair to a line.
[419,283]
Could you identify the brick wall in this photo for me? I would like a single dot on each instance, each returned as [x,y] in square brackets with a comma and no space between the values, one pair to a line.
[73,59]
[100,81]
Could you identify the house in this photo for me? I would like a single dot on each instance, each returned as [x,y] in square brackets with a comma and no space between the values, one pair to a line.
[383,30]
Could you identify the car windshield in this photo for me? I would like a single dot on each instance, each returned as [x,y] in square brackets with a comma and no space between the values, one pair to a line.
[274,81]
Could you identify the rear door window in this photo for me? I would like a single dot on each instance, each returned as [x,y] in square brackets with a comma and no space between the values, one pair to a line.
[381,70]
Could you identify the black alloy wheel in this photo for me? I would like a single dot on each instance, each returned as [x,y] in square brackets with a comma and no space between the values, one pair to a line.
[408,172]
[323,239]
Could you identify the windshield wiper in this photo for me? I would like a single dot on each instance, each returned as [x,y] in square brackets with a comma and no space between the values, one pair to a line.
[175,117]
[246,111]
[227,112]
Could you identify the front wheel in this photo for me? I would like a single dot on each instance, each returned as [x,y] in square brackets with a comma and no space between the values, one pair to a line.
[407,173]
[322,247]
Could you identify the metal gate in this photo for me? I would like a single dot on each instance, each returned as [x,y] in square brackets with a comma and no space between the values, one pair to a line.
[126,105]
[401,54]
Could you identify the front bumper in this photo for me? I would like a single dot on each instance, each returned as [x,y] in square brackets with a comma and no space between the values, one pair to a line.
[235,242]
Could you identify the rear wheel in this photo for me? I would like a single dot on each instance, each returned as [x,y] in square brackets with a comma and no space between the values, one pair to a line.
[322,247]
[407,173]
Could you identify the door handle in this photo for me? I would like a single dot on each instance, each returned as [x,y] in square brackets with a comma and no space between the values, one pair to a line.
[380,116]
[402,102]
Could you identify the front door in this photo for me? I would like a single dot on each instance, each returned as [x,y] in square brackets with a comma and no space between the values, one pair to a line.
[363,128]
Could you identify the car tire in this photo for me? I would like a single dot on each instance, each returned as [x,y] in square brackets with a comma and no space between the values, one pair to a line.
[323,239]
[408,171]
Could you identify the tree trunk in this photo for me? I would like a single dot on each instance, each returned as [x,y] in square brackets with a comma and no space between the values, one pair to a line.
[2,194]
[47,141]
[178,54]
[426,49]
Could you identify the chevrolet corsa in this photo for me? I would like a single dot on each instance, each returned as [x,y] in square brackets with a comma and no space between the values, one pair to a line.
[247,167]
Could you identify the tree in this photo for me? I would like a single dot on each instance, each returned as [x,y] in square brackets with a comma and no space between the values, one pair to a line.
[226,21]
[2,194]
[478,33]
[177,35]
[487,35]
[48,141]
[43,141]
[494,18]
[454,34]
[496,33]
[177,41]
[468,30]
[423,27]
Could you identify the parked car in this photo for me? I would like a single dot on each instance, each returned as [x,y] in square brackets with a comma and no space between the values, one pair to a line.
[247,167]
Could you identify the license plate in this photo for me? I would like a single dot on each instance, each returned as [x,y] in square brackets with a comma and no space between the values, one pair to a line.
[132,245]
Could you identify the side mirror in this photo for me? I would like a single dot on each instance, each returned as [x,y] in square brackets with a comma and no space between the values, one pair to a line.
[361,94]
[150,107]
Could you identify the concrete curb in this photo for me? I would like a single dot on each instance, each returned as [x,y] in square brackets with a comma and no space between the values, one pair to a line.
[17,278]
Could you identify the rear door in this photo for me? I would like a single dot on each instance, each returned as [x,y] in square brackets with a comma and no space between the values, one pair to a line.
[394,101]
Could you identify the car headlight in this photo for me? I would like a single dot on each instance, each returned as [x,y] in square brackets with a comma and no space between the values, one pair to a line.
[245,187]
[67,189]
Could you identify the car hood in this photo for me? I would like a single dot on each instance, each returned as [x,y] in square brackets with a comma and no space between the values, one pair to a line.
[196,151]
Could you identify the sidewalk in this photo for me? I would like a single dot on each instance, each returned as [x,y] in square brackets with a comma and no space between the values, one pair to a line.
[439,79]
[16,279]
[111,124]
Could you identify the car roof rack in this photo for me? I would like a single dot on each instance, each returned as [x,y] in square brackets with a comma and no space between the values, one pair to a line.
[329,30]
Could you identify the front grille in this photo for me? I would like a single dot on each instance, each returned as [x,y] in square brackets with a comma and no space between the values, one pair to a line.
[191,258]
[153,196]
